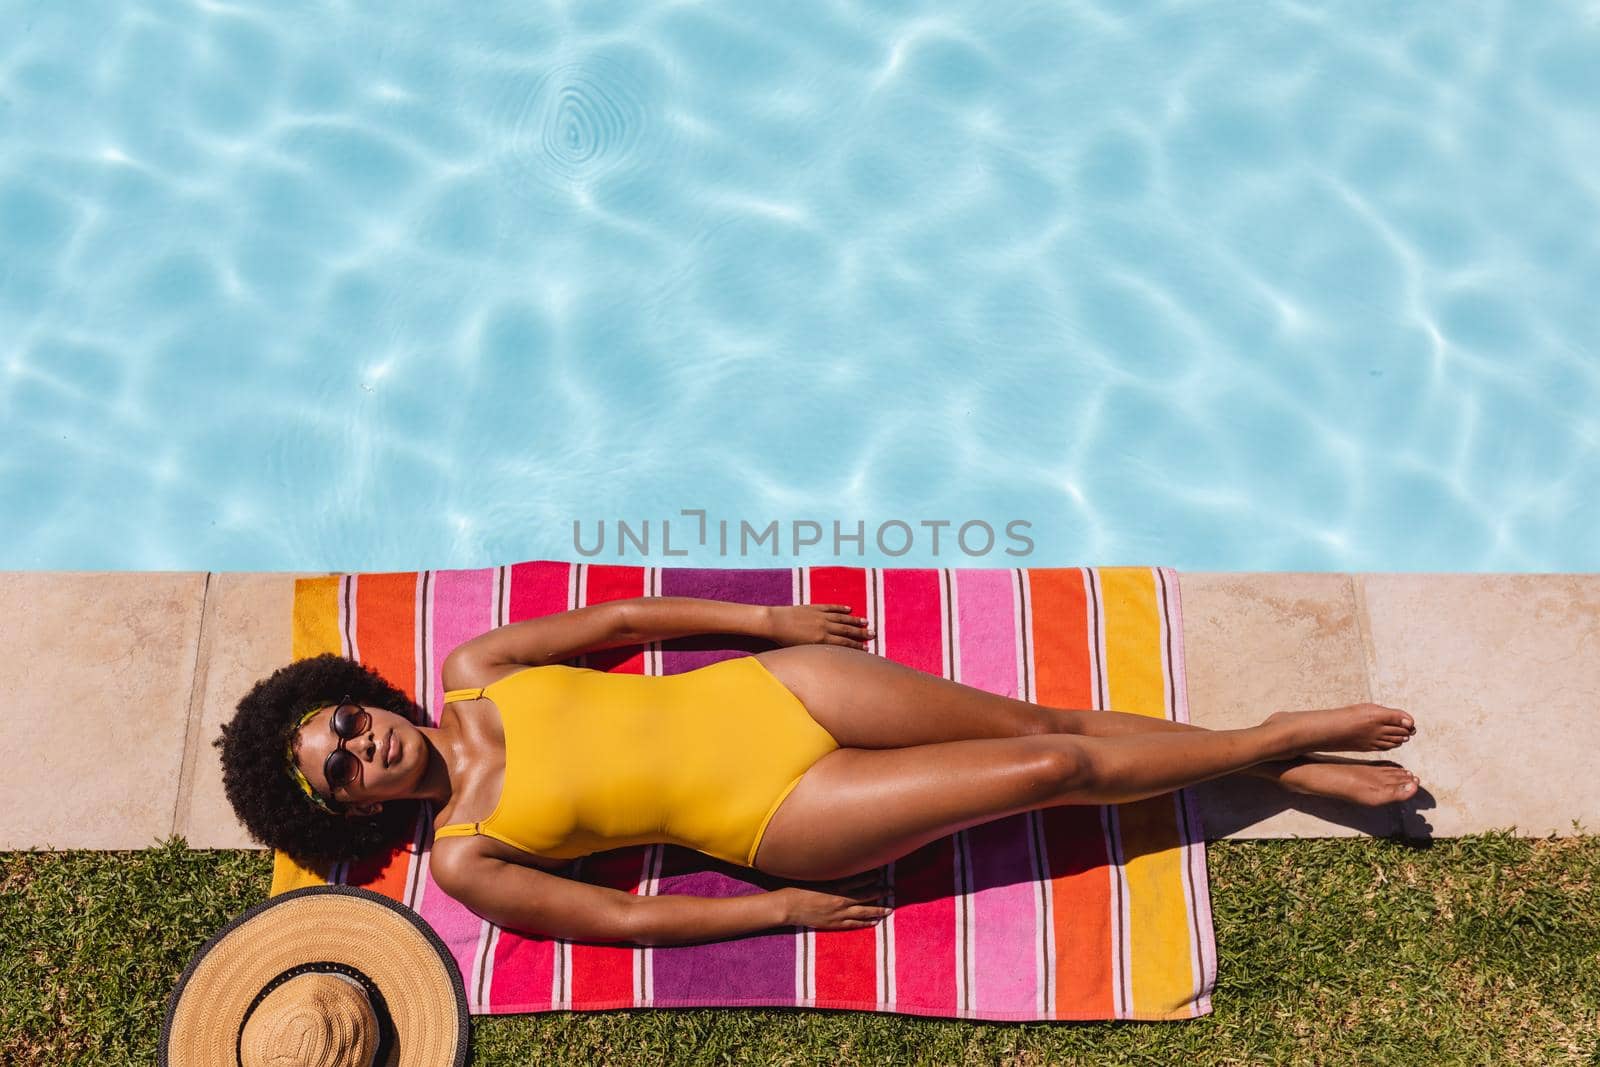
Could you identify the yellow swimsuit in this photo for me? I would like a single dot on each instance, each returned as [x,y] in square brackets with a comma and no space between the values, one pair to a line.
[596,761]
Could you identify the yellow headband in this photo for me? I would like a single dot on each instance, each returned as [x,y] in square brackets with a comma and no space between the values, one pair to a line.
[294,768]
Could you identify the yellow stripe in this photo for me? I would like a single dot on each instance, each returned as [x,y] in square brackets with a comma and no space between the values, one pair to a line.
[1158,917]
[316,617]
[316,630]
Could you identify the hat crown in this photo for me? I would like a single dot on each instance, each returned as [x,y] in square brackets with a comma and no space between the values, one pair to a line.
[311,1020]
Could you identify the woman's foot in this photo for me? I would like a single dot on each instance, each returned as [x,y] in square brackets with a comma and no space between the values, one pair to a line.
[1354,728]
[1367,784]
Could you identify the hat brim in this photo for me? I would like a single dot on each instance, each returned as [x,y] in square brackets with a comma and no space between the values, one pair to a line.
[339,924]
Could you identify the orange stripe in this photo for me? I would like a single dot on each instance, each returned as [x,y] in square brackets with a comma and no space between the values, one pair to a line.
[1080,896]
[386,625]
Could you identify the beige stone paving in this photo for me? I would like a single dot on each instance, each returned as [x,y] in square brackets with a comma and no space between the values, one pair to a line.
[1501,672]
[1265,642]
[246,638]
[97,676]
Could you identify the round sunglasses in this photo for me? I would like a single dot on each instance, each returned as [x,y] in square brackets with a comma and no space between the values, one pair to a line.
[343,767]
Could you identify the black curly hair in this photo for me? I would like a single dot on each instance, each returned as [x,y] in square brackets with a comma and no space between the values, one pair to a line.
[268,801]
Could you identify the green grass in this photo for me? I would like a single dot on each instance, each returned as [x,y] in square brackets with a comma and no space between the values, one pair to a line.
[1475,950]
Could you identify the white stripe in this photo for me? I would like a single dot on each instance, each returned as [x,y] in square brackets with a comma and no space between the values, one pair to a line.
[413,879]
[641,953]
[1185,874]
[655,590]
[875,583]
[566,964]
[1119,894]
[488,967]
[644,955]
[425,641]
[958,887]
[891,994]
[1044,930]
[339,873]
[555,974]
[474,1002]
[799,585]
[353,647]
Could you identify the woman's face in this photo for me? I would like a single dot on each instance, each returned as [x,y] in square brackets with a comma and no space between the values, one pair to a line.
[391,757]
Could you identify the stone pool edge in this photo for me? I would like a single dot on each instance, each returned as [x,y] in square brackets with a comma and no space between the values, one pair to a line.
[120,680]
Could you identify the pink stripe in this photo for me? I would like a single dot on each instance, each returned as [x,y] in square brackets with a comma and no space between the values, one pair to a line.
[986,616]
[463,608]
[1004,905]
[1005,916]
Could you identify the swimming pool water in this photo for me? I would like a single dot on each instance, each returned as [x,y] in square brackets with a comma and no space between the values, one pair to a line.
[1225,286]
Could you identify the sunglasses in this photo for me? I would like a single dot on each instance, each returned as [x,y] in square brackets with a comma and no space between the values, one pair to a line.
[343,767]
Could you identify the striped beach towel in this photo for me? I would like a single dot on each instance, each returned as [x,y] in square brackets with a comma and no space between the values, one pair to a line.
[1081,912]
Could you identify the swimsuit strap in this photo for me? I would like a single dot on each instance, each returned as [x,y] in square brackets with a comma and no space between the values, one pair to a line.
[461,829]
[464,829]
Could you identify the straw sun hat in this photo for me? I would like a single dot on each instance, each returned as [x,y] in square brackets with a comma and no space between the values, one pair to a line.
[326,976]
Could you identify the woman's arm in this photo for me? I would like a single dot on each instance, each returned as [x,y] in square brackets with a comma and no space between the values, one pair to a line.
[641,620]
[661,618]
[535,901]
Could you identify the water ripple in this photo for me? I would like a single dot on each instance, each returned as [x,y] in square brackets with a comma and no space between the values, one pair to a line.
[579,124]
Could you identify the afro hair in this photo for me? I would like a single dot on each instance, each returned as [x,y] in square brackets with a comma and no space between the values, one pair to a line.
[268,801]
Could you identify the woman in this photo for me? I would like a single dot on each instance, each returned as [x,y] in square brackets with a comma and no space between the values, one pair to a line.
[811,761]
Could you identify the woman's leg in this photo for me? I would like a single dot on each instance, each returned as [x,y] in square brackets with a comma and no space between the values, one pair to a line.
[859,808]
[1363,782]
[867,701]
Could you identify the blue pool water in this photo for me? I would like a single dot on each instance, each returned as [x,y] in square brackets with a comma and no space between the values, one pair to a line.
[1222,286]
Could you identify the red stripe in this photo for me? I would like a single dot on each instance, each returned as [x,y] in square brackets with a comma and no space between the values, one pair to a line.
[604,582]
[911,626]
[846,960]
[603,974]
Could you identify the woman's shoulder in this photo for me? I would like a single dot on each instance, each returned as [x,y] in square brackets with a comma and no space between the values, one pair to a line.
[465,854]
[465,672]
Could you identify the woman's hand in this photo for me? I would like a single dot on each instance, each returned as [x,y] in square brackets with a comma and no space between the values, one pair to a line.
[851,908]
[818,624]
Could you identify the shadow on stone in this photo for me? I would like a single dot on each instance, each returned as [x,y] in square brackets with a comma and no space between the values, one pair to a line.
[1236,805]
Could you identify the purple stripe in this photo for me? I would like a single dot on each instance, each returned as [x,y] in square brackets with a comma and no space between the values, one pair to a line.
[758,968]
[744,586]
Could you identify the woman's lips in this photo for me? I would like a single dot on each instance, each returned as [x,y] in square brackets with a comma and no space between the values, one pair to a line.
[391,751]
